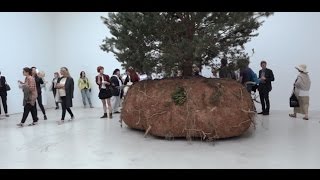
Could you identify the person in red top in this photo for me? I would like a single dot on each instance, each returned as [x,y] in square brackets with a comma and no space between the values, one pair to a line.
[103,81]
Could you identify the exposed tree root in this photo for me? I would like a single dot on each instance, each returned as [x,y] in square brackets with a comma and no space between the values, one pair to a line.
[252,112]
[147,131]
[204,134]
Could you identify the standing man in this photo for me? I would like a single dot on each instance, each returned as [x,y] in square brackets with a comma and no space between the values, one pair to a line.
[39,81]
[265,77]
[3,94]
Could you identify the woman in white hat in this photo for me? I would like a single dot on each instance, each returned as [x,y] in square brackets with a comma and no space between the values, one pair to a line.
[301,90]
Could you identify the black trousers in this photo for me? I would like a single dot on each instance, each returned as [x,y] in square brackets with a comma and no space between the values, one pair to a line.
[39,99]
[29,108]
[64,108]
[54,95]
[4,103]
[264,99]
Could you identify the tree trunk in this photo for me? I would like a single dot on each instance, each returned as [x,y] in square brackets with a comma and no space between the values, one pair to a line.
[187,68]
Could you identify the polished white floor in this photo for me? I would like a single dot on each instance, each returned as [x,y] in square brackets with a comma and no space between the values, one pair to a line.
[91,142]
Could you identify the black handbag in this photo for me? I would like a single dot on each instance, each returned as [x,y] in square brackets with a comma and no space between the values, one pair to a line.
[294,101]
[8,87]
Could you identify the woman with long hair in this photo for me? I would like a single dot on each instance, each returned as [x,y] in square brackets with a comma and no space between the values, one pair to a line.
[132,77]
[85,89]
[30,96]
[65,88]
[103,81]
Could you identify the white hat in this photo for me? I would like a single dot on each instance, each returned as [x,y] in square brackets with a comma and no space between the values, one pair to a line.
[302,67]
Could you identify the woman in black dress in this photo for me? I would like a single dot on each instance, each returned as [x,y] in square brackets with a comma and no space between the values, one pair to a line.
[103,81]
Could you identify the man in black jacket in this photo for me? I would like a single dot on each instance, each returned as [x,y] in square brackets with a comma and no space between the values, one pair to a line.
[39,81]
[3,94]
[265,76]
[117,85]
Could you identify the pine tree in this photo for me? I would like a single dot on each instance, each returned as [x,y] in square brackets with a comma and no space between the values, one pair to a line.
[161,41]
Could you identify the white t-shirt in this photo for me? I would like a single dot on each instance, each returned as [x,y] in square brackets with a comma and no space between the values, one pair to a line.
[62,91]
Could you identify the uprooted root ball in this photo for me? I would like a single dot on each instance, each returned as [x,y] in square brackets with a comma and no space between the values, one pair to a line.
[194,107]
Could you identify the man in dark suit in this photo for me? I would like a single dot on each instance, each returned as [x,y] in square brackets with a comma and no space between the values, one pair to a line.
[3,94]
[265,76]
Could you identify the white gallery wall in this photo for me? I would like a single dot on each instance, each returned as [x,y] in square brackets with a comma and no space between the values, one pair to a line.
[78,37]
[25,40]
[285,41]
[52,40]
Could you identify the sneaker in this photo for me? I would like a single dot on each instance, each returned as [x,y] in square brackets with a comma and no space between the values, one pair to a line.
[60,122]
[45,117]
[91,106]
[117,112]
[71,119]
[261,112]
[32,124]
[20,125]
[7,115]
[110,115]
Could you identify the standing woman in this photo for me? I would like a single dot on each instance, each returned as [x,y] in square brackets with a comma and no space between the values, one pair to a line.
[30,97]
[53,85]
[132,77]
[301,90]
[103,81]
[65,88]
[43,86]
[3,94]
[84,86]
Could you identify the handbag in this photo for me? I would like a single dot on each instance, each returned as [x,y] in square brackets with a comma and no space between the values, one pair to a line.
[293,100]
[8,87]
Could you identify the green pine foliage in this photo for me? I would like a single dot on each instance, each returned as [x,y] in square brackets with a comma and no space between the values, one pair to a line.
[161,41]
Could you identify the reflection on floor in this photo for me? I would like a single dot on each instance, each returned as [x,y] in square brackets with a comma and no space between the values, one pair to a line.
[90,142]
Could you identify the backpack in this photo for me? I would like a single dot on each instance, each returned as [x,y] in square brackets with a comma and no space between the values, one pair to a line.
[253,77]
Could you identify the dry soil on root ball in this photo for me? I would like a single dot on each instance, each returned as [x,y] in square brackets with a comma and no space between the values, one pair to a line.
[191,107]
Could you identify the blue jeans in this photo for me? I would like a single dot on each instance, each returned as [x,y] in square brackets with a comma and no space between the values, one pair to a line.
[85,94]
